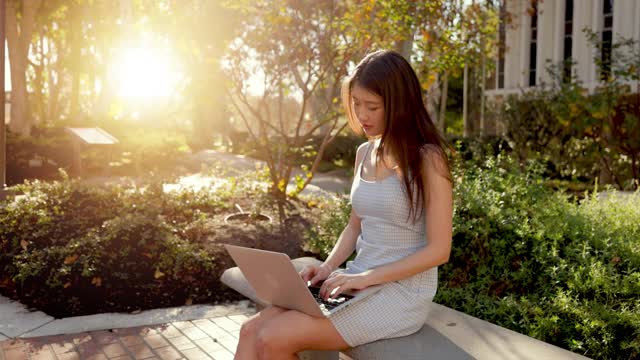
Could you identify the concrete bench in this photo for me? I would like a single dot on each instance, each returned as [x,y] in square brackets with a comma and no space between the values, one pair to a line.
[447,334]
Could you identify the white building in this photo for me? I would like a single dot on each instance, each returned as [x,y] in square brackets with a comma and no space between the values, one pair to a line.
[543,30]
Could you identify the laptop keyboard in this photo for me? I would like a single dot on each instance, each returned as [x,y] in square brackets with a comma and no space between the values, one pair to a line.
[331,303]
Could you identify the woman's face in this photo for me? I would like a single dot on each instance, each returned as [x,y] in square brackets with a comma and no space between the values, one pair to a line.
[369,110]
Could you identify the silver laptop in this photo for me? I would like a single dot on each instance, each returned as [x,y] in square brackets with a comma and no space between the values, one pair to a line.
[277,282]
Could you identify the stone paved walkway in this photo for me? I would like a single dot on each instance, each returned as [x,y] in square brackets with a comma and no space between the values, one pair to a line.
[213,338]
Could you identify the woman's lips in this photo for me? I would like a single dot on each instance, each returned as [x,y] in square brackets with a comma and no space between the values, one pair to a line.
[366,127]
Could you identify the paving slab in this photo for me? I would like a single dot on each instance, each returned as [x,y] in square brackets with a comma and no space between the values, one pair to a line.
[79,324]
[16,319]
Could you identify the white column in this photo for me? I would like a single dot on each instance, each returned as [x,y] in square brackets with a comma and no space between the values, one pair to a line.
[623,19]
[545,39]
[513,51]
[581,53]
[558,50]
[636,32]
[597,23]
[525,41]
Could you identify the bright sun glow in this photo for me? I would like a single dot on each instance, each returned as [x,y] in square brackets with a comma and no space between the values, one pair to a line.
[145,72]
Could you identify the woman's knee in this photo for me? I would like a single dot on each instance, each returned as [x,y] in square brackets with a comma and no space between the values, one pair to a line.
[249,328]
[268,344]
[252,325]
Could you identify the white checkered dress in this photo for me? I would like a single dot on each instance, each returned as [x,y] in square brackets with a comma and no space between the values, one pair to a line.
[400,307]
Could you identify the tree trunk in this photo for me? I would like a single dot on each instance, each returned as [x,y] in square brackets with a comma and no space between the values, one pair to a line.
[465,102]
[405,47]
[19,40]
[634,171]
[76,44]
[54,70]
[431,101]
[38,81]
[101,106]
[442,118]
[483,130]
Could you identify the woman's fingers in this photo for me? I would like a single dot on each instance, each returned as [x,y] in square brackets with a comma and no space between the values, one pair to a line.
[307,273]
[333,287]
[318,277]
[325,285]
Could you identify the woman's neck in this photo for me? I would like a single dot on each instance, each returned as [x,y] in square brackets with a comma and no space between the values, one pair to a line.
[389,160]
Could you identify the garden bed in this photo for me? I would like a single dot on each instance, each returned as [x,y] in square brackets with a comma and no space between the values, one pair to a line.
[70,249]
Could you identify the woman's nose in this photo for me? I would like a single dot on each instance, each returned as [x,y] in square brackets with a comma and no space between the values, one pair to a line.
[361,115]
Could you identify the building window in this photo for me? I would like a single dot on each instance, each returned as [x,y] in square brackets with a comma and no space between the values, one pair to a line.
[568,40]
[502,43]
[607,39]
[533,47]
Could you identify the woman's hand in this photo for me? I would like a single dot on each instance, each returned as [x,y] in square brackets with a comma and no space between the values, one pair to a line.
[315,273]
[339,283]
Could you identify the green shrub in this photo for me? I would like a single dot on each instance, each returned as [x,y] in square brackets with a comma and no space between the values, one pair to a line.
[143,150]
[72,249]
[342,150]
[333,218]
[52,147]
[583,134]
[537,262]
[138,152]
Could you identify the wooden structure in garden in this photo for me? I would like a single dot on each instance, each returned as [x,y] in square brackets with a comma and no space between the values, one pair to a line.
[88,137]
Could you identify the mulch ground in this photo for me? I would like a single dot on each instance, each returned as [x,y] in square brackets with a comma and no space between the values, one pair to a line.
[288,239]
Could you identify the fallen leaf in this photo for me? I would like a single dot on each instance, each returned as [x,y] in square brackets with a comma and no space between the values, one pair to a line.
[97,281]
[158,274]
[24,244]
[70,259]
[67,285]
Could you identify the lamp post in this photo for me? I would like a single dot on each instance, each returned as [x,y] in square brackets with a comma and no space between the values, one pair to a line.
[3,141]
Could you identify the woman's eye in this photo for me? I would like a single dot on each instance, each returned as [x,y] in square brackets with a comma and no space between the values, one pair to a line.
[373,109]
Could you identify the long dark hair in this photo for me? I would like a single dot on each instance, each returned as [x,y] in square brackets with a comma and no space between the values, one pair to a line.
[408,129]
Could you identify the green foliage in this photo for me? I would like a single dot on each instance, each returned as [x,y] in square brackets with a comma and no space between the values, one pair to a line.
[583,134]
[51,149]
[535,132]
[142,150]
[342,151]
[332,220]
[139,151]
[534,261]
[65,244]
[531,260]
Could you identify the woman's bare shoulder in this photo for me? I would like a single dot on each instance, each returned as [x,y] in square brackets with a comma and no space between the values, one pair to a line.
[362,148]
[360,151]
[363,145]
[434,158]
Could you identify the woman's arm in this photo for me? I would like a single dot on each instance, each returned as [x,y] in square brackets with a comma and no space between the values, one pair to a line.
[346,243]
[439,226]
[344,246]
[341,251]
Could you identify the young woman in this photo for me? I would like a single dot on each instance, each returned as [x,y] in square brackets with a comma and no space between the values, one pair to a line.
[400,225]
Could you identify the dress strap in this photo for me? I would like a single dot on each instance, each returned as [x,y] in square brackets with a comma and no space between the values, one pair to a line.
[361,165]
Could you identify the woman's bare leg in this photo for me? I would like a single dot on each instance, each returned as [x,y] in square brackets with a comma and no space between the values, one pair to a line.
[290,332]
[246,349]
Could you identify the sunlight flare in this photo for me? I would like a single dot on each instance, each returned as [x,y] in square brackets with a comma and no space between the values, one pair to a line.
[145,73]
